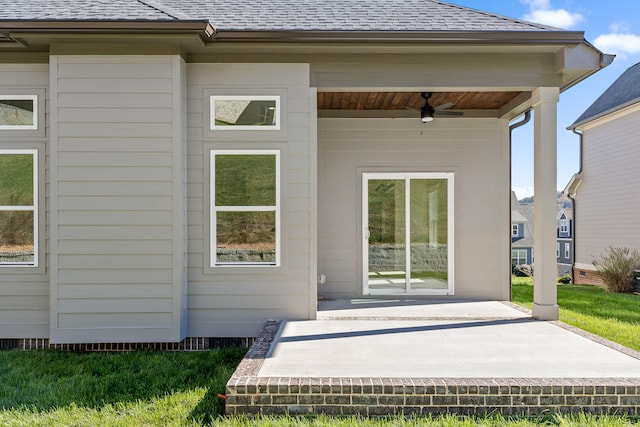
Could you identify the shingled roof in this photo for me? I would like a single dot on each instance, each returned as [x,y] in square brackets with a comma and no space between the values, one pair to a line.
[86,10]
[623,92]
[276,15]
[347,15]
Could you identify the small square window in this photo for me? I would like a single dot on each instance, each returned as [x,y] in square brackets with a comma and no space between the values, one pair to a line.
[18,112]
[515,230]
[245,112]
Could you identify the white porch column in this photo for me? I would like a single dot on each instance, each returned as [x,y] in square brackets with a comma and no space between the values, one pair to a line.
[545,304]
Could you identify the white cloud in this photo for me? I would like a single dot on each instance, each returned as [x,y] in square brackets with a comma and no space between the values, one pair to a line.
[540,11]
[619,27]
[619,41]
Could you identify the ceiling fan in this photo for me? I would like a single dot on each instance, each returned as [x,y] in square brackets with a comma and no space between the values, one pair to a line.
[428,112]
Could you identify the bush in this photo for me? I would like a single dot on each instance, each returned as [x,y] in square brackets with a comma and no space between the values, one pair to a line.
[565,279]
[616,268]
[523,270]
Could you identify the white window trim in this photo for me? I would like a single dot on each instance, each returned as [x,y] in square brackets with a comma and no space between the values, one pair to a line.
[33,126]
[214,209]
[33,208]
[564,225]
[557,250]
[515,230]
[520,254]
[212,111]
[567,251]
[407,176]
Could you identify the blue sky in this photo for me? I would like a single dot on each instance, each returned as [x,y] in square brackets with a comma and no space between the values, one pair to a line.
[613,26]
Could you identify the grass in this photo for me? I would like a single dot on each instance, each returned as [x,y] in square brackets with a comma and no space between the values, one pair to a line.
[613,316]
[49,388]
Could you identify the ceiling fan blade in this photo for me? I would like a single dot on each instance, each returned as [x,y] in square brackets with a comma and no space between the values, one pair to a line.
[449,113]
[445,106]
[411,109]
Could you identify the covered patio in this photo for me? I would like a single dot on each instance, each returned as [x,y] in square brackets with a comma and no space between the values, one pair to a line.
[377,357]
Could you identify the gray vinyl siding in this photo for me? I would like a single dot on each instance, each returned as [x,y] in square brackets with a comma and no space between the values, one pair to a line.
[236,301]
[475,150]
[608,200]
[24,291]
[117,199]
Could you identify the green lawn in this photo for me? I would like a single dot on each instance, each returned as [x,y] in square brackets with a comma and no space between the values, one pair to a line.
[612,316]
[50,388]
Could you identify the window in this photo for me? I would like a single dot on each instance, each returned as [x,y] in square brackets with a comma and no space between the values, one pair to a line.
[566,250]
[245,208]
[518,257]
[245,112]
[514,230]
[557,250]
[18,112]
[18,208]
[564,225]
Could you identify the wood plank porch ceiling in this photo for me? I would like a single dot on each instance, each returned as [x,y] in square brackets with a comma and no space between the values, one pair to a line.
[400,100]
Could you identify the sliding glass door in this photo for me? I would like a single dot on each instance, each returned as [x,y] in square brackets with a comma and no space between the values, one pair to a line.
[408,233]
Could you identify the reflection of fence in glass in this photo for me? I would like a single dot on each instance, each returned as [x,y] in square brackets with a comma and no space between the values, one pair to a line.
[246,237]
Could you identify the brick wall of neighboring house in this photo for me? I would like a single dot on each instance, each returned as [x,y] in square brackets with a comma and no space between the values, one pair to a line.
[586,277]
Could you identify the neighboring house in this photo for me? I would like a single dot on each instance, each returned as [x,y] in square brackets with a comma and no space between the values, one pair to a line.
[521,232]
[606,190]
[564,250]
[186,169]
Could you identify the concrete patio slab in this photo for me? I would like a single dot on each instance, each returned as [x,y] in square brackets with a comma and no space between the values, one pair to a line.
[369,357]
[509,348]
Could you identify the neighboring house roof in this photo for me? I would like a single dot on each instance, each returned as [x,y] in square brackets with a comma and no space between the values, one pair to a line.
[517,217]
[278,15]
[568,213]
[624,92]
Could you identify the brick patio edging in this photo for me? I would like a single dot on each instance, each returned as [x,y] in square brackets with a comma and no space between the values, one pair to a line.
[251,395]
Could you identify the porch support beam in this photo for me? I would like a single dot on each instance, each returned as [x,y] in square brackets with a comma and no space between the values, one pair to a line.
[545,301]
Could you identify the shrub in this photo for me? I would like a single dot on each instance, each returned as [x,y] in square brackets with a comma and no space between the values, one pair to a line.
[565,279]
[523,270]
[616,268]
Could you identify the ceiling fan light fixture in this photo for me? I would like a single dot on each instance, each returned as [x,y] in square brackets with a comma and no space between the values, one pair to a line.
[426,114]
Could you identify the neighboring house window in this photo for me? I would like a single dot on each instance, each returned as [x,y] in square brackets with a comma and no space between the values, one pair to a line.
[245,112]
[18,208]
[18,112]
[514,230]
[245,208]
[557,250]
[566,250]
[564,225]
[518,257]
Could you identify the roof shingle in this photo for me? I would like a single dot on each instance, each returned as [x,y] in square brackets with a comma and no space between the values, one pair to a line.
[623,92]
[346,15]
[81,10]
[277,15]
